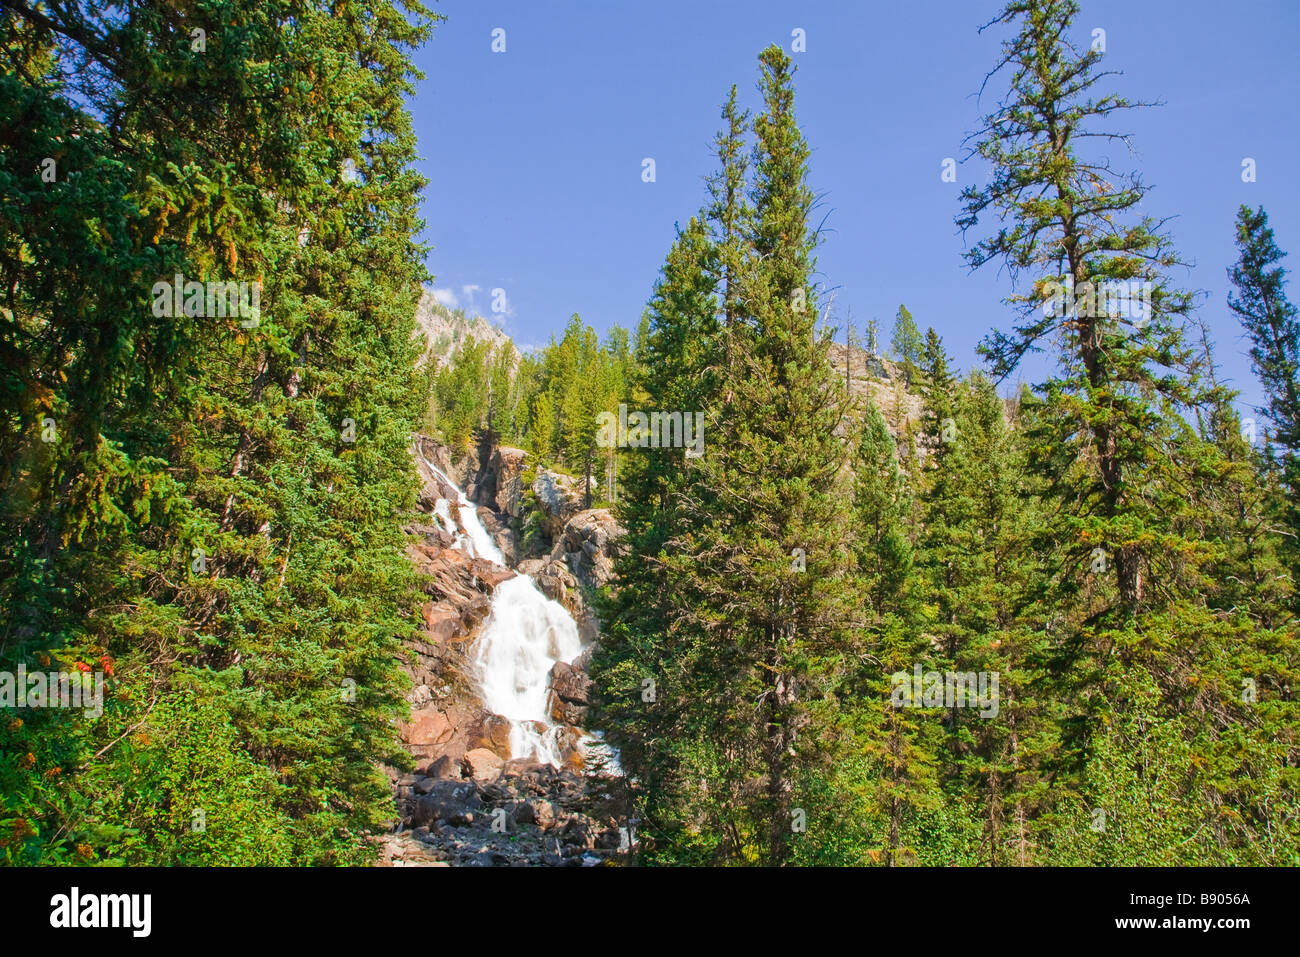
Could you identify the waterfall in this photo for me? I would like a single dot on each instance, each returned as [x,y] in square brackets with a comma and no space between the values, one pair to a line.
[524,636]
[471,537]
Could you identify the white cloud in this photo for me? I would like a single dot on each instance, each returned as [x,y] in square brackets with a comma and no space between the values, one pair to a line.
[467,294]
[447,297]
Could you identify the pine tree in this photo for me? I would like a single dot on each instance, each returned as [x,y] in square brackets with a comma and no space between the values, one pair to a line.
[884,770]
[881,505]
[980,570]
[541,428]
[728,214]
[937,389]
[1111,347]
[1235,501]
[905,343]
[676,369]
[1269,318]
[872,343]
[759,577]
[1124,611]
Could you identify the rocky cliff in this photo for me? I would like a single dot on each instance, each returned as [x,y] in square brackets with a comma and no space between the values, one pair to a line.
[445,330]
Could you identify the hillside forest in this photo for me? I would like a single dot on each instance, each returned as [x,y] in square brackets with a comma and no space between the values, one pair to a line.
[208,509]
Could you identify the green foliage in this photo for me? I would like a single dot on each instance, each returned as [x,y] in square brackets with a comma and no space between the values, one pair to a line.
[905,343]
[1107,546]
[1270,321]
[206,512]
[549,402]
[749,623]
[182,789]
[207,506]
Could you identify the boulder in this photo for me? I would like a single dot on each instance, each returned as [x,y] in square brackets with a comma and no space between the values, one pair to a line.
[555,580]
[482,765]
[437,730]
[442,622]
[565,712]
[490,574]
[494,735]
[589,546]
[560,498]
[566,742]
[444,768]
[428,726]
[574,761]
[532,566]
[570,684]
[578,832]
[459,587]
[456,802]
[543,814]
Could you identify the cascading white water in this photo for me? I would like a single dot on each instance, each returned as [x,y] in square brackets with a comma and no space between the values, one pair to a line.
[525,635]
[471,536]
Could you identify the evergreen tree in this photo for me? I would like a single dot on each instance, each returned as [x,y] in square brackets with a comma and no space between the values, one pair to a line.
[676,369]
[906,344]
[767,550]
[881,504]
[1110,356]
[728,214]
[980,569]
[937,388]
[1125,608]
[884,764]
[216,521]
[1269,318]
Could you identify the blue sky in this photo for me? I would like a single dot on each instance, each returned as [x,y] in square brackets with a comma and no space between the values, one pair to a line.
[535,155]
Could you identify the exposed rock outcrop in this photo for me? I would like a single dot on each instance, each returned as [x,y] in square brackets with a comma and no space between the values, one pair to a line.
[581,561]
[588,544]
[559,496]
[500,486]
[446,330]
[570,693]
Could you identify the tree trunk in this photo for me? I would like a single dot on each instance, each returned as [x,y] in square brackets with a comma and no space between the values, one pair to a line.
[779,697]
